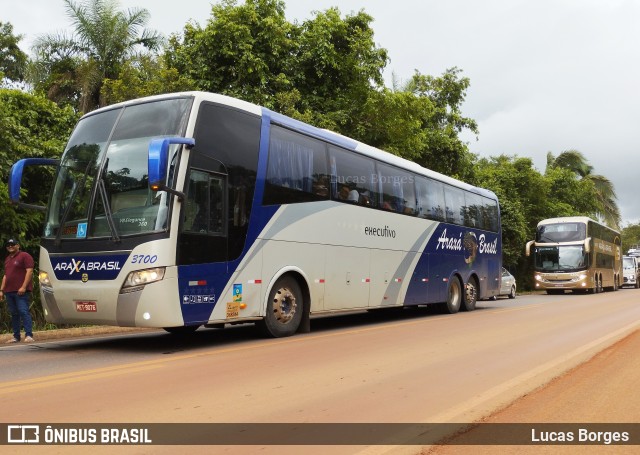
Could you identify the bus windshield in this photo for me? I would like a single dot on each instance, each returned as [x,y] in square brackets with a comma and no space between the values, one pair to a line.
[101,188]
[560,258]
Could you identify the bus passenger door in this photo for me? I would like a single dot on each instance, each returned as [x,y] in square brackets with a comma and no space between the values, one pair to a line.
[347,278]
[202,244]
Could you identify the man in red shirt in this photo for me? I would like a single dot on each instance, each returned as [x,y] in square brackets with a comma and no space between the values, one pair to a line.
[16,287]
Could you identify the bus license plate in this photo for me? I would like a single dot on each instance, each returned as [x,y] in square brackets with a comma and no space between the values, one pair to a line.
[86,307]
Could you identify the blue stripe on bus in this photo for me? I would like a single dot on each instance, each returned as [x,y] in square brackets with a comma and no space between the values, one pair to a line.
[301,127]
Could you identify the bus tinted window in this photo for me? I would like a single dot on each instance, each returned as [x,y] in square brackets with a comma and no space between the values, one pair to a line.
[490,214]
[204,208]
[354,178]
[296,170]
[430,199]
[473,211]
[397,193]
[454,199]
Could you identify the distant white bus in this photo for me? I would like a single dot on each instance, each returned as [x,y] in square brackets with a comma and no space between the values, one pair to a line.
[576,253]
[192,209]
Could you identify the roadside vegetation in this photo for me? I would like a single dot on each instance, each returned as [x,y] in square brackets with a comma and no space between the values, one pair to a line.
[326,70]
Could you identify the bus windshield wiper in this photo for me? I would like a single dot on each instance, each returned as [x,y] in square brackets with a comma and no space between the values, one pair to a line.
[107,209]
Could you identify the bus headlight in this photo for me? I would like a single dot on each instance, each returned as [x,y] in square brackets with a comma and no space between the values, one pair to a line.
[538,277]
[137,280]
[581,277]
[45,282]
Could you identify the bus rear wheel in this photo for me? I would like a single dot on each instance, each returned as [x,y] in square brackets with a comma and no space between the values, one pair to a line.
[454,296]
[470,295]
[284,309]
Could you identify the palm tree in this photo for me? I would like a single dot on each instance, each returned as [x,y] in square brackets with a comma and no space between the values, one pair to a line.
[103,39]
[605,193]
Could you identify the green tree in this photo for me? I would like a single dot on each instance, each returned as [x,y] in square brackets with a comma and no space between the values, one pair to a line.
[606,207]
[321,71]
[337,69]
[12,60]
[630,236]
[523,194]
[30,126]
[73,68]
[427,110]
[244,51]
[327,71]
[144,76]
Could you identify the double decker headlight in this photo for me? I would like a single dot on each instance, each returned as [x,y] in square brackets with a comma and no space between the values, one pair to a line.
[137,280]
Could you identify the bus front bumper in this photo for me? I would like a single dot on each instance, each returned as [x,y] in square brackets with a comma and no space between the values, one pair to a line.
[544,281]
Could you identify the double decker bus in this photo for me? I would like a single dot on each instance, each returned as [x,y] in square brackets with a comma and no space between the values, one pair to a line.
[195,209]
[576,253]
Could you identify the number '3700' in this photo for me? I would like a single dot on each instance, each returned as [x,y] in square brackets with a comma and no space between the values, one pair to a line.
[143,259]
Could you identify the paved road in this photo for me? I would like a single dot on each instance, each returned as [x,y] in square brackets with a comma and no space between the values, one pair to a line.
[415,367]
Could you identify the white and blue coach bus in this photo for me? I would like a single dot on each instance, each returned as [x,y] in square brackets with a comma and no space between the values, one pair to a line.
[195,209]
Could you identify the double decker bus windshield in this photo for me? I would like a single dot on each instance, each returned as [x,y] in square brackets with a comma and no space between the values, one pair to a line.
[101,188]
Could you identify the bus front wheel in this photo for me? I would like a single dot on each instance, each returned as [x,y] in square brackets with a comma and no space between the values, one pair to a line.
[284,309]
[454,296]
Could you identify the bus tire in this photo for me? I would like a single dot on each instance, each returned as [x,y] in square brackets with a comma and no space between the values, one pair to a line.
[470,295]
[454,296]
[284,309]
[181,331]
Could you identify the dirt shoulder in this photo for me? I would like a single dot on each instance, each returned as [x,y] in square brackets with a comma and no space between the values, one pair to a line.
[74,332]
[603,390]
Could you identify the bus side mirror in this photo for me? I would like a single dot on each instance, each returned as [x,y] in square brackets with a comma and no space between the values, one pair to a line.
[587,245]
[527,248]
[158,161]
[15,179]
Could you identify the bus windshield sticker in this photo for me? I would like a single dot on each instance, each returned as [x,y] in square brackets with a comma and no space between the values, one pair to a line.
[81,233]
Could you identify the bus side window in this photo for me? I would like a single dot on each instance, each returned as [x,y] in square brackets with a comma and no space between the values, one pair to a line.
[352,178]
[204,205]
[454,198]
[430,199]
[296,168]
[195,207]
[397,190]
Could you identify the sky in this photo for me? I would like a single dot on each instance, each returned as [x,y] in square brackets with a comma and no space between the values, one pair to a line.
[545,75]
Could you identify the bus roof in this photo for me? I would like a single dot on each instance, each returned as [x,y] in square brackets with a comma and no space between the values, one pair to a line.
[296,125]
[573,219]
